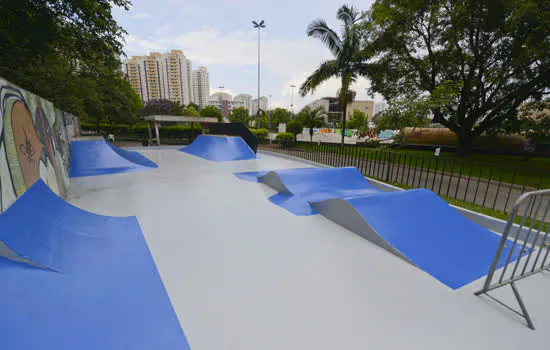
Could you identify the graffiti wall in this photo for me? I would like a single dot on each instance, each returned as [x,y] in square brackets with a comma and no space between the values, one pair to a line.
[34,143]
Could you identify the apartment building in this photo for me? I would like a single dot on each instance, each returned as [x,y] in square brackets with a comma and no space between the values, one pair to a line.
[201,87]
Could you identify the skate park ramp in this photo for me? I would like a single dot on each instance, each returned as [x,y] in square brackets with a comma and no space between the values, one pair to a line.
[99,157]
[220,148]
[420,227]
[97,288]
[298,187]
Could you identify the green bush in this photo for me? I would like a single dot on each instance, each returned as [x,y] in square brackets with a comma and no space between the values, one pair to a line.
[286,139]
[87,127]
[294,127]
[120,129]
[261,134]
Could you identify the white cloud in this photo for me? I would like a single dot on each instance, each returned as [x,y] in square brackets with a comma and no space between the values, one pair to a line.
[293,59]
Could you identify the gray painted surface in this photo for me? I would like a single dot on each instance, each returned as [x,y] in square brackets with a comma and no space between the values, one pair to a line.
[344,214]
[245,274]
[274,181]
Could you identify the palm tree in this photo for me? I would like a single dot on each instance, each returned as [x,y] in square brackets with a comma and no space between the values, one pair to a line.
[312,118]
[347,64]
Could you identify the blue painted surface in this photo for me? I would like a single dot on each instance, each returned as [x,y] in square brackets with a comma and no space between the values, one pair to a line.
[106,292]
[433,235]
[252,176]
[220,148]
[99,157]
[305,185]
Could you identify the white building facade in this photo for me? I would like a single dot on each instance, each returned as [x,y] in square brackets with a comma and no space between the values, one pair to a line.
[246,101]
[201,86]
[264,101]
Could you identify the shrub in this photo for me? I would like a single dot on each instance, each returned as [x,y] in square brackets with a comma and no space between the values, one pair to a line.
[286,139]
[87,127]
[261,134]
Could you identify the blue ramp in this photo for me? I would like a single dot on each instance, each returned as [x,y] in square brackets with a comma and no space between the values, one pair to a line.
[298,187]
[99,157]
[220,148]
[99,288]
[420,227]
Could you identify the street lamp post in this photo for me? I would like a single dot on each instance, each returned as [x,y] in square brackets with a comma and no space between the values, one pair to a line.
[259,26]
[269,110]
[292,100]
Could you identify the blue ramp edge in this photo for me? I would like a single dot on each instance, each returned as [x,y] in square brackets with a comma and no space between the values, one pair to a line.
[298,187]
[430,233]
[105,292]
[99,157]
[220,148]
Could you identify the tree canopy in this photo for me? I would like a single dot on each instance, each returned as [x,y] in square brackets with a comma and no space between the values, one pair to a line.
[476,61]
[161,107]
[280,115]
[239,115]
[358,120]
[294,127]
[68,51]
[212,112]
[347,64]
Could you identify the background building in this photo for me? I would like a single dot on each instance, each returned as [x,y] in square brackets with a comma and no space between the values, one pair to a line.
[246,100]
[224,102]
[161,76]
[380,107]
[201,86]
[334,115]
[264,101]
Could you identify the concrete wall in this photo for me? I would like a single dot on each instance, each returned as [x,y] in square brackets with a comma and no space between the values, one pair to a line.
[34,143]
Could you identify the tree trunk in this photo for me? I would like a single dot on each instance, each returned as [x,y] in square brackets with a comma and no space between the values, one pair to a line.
[344,107]
[466,141]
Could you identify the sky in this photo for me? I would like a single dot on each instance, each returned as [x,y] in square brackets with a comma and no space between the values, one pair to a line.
[219,35]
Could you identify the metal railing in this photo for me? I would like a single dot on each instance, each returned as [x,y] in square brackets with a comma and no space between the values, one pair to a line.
[483,184]
[531,245]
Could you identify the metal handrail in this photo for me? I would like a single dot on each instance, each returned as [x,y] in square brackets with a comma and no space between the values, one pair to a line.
[521,243]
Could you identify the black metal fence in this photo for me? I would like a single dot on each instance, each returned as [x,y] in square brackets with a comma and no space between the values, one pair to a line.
[478,183]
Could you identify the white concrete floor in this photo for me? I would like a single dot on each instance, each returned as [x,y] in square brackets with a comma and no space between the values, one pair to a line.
[244,274]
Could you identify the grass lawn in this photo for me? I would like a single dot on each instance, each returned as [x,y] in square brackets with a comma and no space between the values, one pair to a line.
[533,172]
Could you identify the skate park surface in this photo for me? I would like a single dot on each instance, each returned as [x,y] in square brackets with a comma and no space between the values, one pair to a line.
[243,273]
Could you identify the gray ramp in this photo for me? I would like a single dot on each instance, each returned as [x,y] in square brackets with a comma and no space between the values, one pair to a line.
[340,211]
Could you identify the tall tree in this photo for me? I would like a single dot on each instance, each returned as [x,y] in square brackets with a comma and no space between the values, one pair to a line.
[347,64]
[358,120]
[280,115]
[239,115]
[162,107]
[212,112]
[477,60]
[67,51]
[312,118]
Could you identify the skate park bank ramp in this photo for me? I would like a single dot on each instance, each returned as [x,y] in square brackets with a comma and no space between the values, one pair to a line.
[79,280]
[421,228]
[220,148]
[298,187]
[99,157]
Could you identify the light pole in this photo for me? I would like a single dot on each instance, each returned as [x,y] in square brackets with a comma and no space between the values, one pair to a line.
[259,26]
[292,100]
[269,111]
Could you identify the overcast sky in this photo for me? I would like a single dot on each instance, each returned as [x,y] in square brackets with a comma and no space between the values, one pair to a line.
[219,35]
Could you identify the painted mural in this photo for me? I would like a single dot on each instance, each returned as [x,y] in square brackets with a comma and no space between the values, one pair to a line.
[34,143]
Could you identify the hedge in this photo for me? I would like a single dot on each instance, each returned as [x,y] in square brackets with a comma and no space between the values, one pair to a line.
[142,131]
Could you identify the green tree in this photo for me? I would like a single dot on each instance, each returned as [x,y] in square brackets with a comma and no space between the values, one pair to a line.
[239,115]
[294,127]
[280,115]
[195,106]
[347,64]
[161,107]
[68,51]
[493,55]
[191,112]
[401,115]
[358,120]
[212,112]
[311,118]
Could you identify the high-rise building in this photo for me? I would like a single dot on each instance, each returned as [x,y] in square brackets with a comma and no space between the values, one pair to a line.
[246,101]
[201,86]
[161,76]
[263,105]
